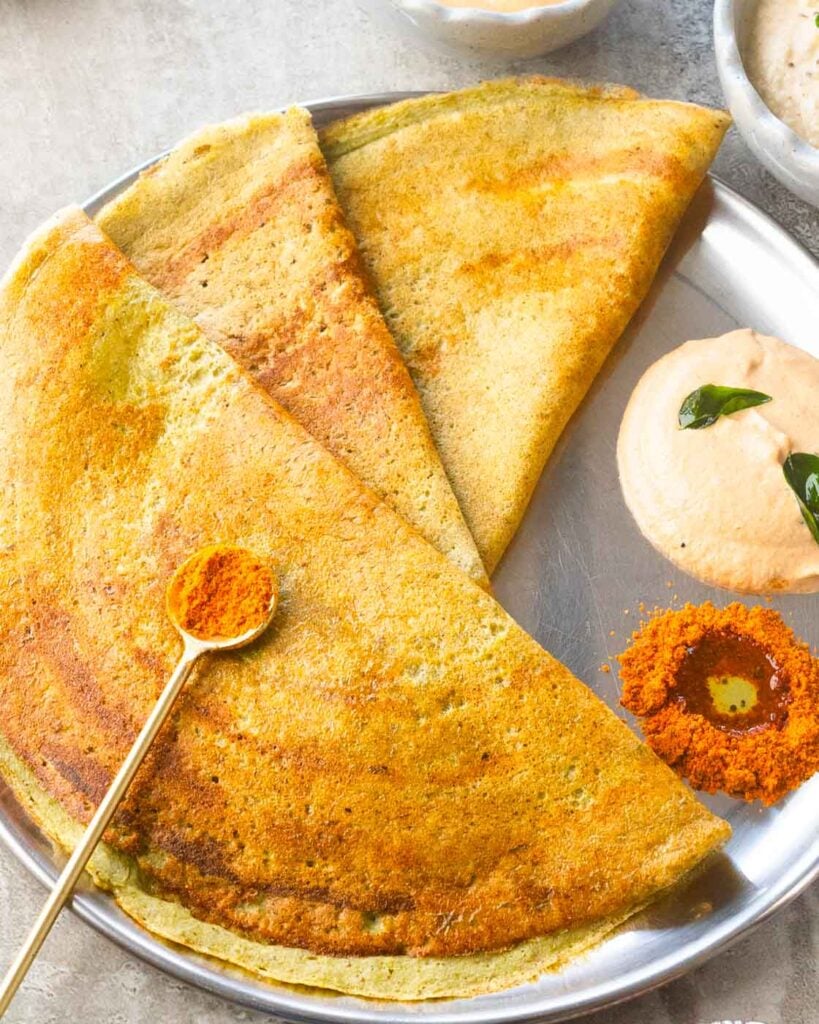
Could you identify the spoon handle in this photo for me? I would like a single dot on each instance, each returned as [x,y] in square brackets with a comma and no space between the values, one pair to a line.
[64,885]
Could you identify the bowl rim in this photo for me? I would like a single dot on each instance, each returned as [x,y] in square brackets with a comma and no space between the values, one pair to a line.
[549,11]
[729,59]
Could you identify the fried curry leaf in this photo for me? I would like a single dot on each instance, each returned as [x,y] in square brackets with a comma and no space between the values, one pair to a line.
[801,470]
[705,405]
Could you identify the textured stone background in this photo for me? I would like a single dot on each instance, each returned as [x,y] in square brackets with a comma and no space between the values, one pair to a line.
[90,88]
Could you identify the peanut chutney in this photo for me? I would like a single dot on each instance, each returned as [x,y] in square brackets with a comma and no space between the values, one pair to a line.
[728,697]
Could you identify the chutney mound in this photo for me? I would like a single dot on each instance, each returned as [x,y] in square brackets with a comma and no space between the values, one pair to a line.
[676,675]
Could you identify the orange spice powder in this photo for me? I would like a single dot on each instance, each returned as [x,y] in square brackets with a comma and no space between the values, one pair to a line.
[763,761]
[221,592]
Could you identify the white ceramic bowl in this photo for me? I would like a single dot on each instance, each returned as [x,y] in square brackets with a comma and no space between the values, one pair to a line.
[787,156]
[514,36]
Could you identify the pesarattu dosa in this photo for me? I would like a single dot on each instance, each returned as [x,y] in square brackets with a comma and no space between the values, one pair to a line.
[511,230]
[396,792]
[239,225]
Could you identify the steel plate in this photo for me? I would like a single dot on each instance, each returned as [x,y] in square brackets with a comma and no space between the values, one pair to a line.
[574,578]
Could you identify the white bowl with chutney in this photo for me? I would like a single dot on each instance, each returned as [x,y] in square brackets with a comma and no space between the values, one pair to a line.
[786,154]
[510,29]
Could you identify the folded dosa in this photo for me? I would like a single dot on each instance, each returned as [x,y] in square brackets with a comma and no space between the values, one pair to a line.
[396,791]
[239,225]
[511,231]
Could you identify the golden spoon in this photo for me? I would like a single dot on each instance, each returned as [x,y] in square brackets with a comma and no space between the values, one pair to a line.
[194,647]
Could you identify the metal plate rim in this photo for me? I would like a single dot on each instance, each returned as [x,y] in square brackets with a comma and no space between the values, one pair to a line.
[98,909]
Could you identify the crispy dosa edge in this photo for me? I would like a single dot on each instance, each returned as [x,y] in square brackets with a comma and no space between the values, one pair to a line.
[359,130]
[705,832]
[404,978]
[494,466]
[239,225]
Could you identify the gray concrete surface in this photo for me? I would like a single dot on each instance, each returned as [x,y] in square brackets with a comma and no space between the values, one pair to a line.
[90,87]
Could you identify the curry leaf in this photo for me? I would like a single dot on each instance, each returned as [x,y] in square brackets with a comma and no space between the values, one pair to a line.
[705,405]
[801,470]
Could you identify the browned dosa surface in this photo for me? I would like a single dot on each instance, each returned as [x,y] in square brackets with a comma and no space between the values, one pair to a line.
[240,227]
[511,230]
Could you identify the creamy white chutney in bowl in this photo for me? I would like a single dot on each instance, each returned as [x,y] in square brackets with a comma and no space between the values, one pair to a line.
[702,455]
[511,29]
[768,62]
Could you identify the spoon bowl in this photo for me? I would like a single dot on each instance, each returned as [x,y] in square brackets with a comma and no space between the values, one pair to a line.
[199,644]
